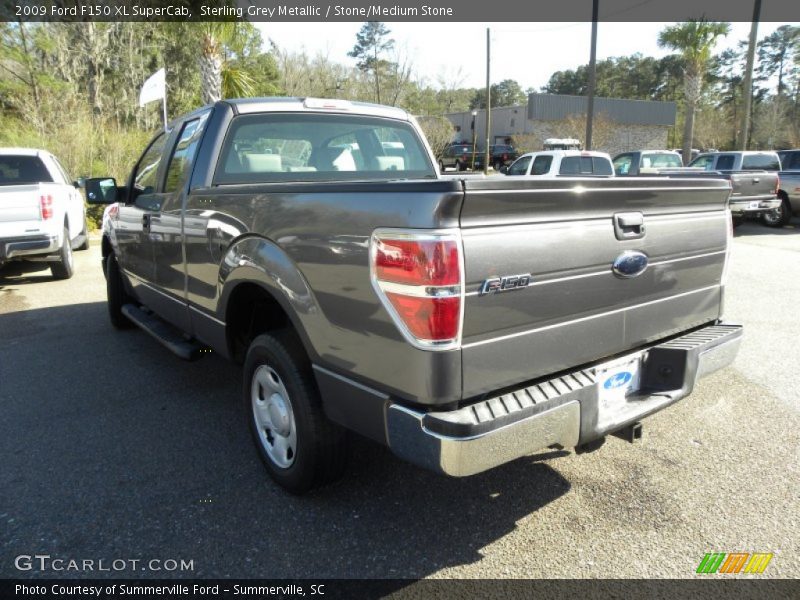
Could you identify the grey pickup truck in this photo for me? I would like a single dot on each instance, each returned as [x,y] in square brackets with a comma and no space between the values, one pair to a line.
[753,176]
[789,192]
[463,323]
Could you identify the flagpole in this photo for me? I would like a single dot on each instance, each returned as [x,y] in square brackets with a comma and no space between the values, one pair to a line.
[164,104]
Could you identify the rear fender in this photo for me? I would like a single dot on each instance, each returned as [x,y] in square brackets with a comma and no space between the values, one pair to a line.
[259,261]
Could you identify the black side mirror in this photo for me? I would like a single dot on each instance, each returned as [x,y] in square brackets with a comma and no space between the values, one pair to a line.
[79,183]
[101,190]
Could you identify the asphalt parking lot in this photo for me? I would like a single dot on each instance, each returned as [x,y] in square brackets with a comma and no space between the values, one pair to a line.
[112,448]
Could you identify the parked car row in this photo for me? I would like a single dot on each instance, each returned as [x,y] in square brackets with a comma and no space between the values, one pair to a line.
[460,157]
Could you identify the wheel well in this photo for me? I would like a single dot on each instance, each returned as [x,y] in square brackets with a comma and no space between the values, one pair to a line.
[251,311]
[783,195]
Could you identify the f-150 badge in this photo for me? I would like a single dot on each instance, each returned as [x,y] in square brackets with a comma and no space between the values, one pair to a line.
[505,284]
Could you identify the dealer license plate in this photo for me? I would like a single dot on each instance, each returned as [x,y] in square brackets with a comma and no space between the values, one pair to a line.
[616,380]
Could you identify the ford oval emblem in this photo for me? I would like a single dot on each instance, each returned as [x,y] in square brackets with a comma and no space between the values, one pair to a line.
[630,264]
[617,380]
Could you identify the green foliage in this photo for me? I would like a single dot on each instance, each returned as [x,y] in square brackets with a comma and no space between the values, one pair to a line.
[506,93]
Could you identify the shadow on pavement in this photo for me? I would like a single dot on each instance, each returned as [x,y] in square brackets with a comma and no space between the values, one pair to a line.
[115,448]
[20,272]
[753,227]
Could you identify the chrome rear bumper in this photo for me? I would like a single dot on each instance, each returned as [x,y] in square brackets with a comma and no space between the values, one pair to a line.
[559,411]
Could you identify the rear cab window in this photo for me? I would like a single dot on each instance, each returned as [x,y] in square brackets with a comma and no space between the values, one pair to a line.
[761,162]
[16,169]
[585,165]
[275,147]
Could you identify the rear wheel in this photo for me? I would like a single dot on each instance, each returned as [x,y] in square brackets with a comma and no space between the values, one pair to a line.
[778,217]
[64,268]
[300,448]
[116,294]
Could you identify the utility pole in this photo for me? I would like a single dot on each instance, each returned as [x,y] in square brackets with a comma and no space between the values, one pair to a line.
[488,154]
[592,76]
[747,91]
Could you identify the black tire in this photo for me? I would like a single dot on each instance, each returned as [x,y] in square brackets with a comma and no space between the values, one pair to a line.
[779,216]
[116,294]
[64,268]
[737,221]
[321,448]
[85,233]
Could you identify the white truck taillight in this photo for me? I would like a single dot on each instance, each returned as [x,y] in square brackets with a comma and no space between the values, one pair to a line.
[419,277]
[46,206]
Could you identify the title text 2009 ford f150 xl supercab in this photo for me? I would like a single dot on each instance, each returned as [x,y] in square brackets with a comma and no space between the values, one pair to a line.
[462,323]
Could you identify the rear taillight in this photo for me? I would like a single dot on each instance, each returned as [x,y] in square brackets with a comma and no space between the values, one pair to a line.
[418,276]
[46,206]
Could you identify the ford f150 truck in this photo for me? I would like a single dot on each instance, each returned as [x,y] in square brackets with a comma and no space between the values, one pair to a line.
[462,323]
[753,176]
[42,214]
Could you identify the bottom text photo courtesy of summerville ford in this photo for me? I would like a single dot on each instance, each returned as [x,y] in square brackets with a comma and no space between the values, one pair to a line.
[267,289]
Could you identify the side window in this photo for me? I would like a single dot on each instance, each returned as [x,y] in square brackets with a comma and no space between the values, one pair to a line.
[704,162]
[794,161]
[541,165]
[725,162]
[520,167]
[145,179]
[622,164]
[61,170]
[183,156]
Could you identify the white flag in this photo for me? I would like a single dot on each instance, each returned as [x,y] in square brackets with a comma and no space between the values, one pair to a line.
[155,88]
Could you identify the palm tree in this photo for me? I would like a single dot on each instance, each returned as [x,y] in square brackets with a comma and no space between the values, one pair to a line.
[219,77]
[694,41]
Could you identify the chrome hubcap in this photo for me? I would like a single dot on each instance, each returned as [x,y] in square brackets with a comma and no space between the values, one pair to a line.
[274,419]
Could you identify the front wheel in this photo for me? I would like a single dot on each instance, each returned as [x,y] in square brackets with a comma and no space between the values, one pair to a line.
[85,233]
[778,217]
[64,267]
[300,448]
[116,294]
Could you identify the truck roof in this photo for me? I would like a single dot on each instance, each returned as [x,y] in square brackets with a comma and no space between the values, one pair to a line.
[22,151]
[295,104]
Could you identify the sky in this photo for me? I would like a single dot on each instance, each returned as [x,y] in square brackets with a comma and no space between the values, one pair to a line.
[526,52]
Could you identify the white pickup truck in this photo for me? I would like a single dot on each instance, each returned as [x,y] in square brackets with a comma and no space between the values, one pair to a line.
[562,163]
[42,214]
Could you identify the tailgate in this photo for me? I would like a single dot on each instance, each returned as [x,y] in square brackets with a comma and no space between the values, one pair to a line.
[753,185]
[575,309]
[19,204]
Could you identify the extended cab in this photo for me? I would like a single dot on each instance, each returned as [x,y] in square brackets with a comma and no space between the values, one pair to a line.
[562,163]
[463,323]
[42,214]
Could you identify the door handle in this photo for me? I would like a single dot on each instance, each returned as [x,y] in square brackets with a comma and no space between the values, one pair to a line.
[629,225]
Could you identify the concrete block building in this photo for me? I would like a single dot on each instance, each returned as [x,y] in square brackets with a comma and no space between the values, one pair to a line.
[620,125]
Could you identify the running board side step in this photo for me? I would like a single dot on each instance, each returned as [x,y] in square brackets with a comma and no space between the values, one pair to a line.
[166,334]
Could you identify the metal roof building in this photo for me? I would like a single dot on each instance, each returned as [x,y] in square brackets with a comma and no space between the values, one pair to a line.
[626,124]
